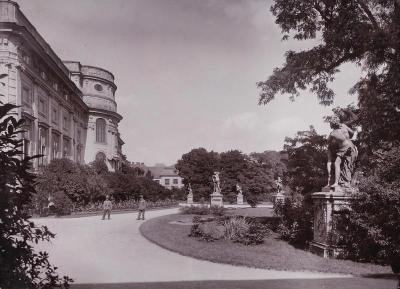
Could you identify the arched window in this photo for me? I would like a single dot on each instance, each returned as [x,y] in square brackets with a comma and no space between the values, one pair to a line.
[100,130]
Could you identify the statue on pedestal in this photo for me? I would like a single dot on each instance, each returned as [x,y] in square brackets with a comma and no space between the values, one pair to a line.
[341,151]
[190,195]
[239,197]
[279,186]
[216,182]
[216,196]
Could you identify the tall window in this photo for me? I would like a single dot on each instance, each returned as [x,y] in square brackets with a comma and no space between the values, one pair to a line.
[27,137]
[55,146]
[66,148]
[43,143]
[100,130]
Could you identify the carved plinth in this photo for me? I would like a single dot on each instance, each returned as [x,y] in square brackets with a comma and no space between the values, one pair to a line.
[325,206]
[239,199]
[190,199]
[279,197]
[216,199]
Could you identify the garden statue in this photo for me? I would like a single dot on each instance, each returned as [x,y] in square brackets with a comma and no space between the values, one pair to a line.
[239,197]
[341,151]
[216,182]
[216,196]
[190,195]
[279,185]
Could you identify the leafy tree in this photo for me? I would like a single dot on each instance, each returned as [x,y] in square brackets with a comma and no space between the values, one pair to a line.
[367,33]
[370,230]
[20,265]
[306,174]
[307,157]
[197,168]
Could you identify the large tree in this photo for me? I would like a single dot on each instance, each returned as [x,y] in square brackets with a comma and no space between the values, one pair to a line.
[363,32]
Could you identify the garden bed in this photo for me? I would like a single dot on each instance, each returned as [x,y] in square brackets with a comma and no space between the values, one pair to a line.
[170,233]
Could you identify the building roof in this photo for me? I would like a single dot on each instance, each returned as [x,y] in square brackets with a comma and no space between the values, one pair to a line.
[159,172]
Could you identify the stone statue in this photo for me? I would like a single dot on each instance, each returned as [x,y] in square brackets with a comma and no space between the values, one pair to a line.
[279,185]
[190,189]
[341,151]
[239,189]
[216,182]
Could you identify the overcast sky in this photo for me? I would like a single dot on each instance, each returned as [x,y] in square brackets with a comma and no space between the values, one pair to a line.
[186,71]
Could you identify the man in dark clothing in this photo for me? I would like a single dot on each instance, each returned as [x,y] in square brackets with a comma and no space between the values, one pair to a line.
[142,208]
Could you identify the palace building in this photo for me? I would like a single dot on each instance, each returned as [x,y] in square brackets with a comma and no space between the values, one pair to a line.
[69,109]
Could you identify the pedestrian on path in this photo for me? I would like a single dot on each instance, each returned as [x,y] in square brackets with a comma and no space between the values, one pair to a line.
[107,207]
[142,208]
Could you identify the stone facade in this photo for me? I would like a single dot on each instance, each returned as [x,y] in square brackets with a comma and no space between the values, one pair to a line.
[98,88]
[59,114]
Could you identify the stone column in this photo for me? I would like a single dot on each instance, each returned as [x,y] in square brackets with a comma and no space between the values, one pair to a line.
[326,204]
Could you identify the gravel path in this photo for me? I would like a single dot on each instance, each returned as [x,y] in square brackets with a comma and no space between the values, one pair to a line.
[113,251]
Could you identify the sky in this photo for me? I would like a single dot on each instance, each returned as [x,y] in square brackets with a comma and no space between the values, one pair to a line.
[186,71]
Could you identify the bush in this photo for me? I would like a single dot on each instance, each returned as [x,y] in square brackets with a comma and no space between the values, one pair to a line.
[20,265]
[62,204]
[194,210]
[202,210]
[296,221]
[253,200]
[235,228]
[217,210]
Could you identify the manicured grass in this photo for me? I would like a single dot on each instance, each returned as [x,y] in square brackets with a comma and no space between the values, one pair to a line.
[273,254]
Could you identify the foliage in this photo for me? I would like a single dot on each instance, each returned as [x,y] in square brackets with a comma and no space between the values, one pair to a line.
[20,265]
[217,210]
[79,182]
[197,168]
[63,205]
[307,157]
[253,200]
[296,223]
[370,230]
[202,210]
[237,229]
[362,32]
[255,173]
[194,210]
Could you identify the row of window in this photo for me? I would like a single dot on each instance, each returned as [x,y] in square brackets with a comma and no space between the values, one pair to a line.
[27,100]
[52,150]
[174,181]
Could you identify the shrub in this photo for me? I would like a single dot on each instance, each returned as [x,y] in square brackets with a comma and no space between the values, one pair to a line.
[20,265]
[235,228]
[217,210]
[202,210]
[194,210]
[255,234]
[63,204]
[206,230]
[253,200]
[296,221]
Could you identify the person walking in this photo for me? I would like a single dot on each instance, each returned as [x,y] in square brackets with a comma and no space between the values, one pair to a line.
[142,208]
[107,207]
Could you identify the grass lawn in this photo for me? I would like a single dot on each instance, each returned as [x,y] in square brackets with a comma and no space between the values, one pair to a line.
[273,254]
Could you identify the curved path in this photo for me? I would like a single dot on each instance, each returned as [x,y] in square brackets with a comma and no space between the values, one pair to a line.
[94,251]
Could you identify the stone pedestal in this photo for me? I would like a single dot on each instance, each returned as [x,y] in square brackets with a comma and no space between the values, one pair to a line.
[190,198]
[279,197]
[216,199]
[239,199]
[326,203]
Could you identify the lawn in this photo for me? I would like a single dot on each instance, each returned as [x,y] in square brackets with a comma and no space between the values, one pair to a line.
[171,232]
